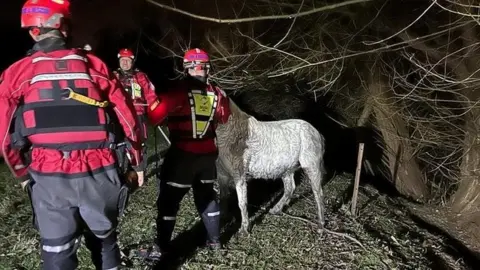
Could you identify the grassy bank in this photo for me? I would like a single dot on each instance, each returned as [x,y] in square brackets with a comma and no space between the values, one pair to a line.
[389,238]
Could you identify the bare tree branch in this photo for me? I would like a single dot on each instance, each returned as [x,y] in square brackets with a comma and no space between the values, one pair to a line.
[259,18]
[406,27]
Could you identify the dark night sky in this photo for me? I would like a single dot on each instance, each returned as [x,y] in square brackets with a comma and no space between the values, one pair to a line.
[15,41]
[106,33]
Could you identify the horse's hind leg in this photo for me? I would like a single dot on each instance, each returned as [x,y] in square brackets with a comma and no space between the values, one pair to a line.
[223,191]
[241,187]
[288,188]
[223,181]
[315,175]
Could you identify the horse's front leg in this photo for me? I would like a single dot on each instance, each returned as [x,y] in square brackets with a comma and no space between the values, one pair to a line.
[241,187]
[288,189]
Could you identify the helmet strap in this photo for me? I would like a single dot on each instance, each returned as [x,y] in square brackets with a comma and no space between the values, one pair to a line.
[40,33]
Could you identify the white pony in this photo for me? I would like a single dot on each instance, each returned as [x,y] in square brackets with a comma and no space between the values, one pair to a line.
[252,149]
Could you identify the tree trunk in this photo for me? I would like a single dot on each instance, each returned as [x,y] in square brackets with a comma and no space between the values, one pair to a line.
[467,196]
[404,170]
[465,202]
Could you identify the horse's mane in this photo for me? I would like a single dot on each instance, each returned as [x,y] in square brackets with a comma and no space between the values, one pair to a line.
[232,135]
[237,113]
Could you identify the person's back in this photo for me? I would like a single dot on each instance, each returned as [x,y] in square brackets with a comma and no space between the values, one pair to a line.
[64,96]
[54,82]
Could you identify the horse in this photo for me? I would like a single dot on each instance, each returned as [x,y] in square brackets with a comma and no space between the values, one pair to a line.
[252,149]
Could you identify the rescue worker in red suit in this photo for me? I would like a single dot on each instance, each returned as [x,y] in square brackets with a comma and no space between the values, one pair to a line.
[64,96]
[193,109]
[138,87]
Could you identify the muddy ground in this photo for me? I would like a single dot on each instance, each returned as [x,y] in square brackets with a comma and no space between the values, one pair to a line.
[382,236]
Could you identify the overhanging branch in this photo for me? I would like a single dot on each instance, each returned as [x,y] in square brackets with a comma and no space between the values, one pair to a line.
[259,18]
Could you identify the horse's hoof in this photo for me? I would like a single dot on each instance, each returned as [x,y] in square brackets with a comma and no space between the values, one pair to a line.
[321,223]
[243,232]
[321,227]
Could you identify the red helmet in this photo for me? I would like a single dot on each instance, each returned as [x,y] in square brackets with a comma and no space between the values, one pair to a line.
[126,53]
[157,112]
[44,13]
[196,57]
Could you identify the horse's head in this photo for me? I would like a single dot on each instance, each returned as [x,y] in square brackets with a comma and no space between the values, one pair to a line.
[236,125]
[237,113]
[231,136]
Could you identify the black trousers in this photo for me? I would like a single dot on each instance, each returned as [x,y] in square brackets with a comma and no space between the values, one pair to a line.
[181,171]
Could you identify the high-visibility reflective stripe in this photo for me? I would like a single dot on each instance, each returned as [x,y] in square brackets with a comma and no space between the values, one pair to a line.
[207,181]
[194,117]
[173,184]
[60,76]
[105,235]
[58,249]
[19,167]
[169,218]
[213,214]
[68,57]
[154,105]
[202,92]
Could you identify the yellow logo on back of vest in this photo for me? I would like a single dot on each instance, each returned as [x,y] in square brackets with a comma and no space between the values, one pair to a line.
[203,104]
[203,107]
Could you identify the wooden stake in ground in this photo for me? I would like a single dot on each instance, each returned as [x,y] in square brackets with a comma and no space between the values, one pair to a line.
[357,178]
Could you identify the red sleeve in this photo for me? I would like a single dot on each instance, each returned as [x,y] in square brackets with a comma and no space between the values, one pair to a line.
[162,107]
[12,85]
[223,109]
[122,105]
[147,87]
